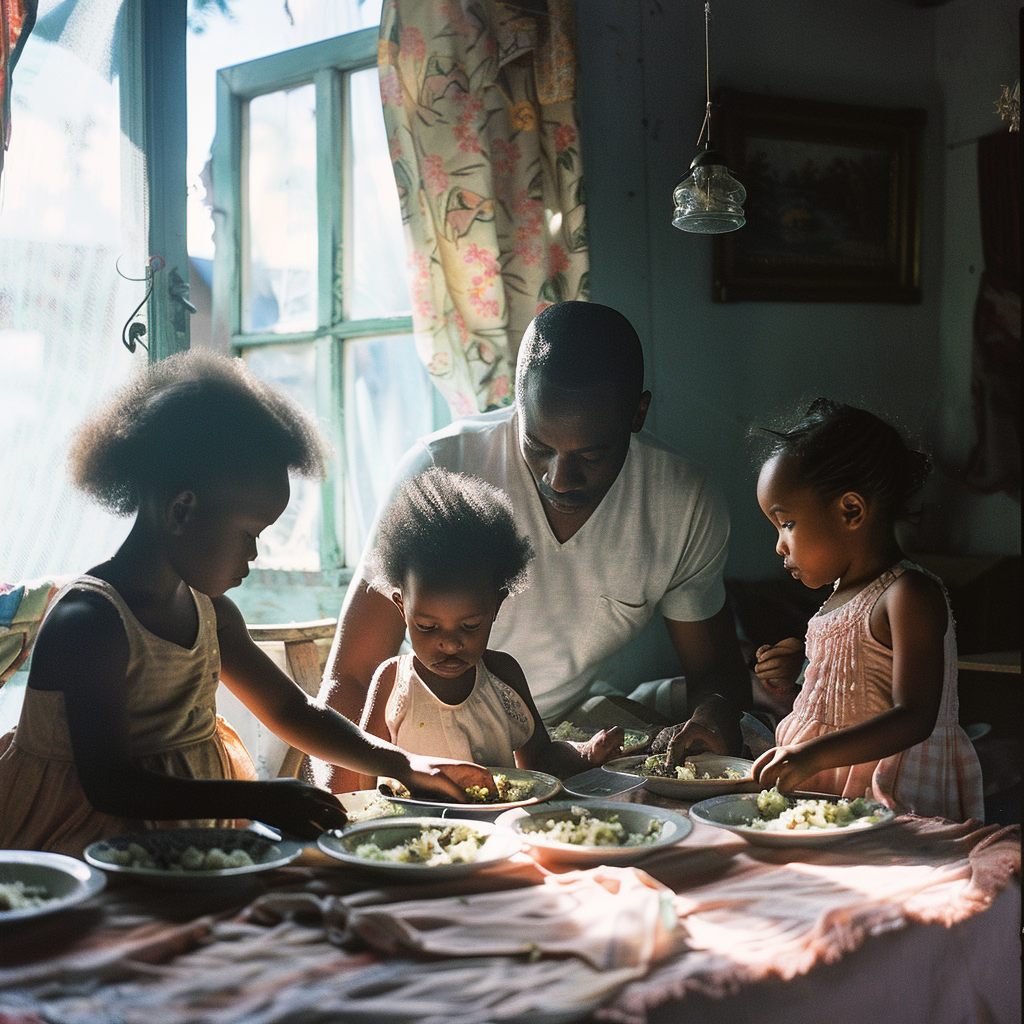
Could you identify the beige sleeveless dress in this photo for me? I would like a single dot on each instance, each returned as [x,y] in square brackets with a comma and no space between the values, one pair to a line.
[488,727]
[848,680]
[175,730]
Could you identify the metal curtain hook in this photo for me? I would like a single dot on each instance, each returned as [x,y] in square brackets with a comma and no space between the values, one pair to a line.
[131,333]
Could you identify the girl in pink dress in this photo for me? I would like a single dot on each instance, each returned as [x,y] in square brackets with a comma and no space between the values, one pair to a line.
[448,554]
[119,729]
[877,715]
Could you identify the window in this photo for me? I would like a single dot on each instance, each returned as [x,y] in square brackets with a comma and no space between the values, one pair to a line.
[309,281]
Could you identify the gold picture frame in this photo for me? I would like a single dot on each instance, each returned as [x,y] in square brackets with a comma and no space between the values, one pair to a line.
[833,201]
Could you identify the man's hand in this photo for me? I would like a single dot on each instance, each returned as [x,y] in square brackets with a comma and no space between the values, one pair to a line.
[603,745]
[778,665]
[694,738]
[714,728]
[444,779]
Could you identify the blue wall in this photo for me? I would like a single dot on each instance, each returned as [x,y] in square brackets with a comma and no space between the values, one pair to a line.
[716,369]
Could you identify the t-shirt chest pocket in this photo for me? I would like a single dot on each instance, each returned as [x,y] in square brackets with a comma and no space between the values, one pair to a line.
[616,621]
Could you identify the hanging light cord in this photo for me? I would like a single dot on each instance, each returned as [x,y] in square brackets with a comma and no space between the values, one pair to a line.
[707,76]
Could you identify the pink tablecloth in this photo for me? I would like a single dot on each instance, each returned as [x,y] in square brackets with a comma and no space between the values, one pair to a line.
[916,922]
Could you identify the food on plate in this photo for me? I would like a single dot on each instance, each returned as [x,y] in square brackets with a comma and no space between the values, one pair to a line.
[17,895]
[658,767]
[778,813]
[189,858]
[378,806]
[508,790]
[435,844]
[585,829]
[579,734]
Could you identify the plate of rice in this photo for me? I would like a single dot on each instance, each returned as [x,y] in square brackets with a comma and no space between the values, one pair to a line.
[769,818]
[421,848]
[585,833]
[699,777]
[191,858]
[634,740]
[34,883]
[514,787]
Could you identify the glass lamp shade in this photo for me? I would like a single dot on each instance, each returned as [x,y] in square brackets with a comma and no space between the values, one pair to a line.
[710,200]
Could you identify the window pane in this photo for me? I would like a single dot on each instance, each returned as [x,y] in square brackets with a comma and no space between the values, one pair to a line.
[219,39]
[376,279]
[293,542]
[388,404]
[280,290]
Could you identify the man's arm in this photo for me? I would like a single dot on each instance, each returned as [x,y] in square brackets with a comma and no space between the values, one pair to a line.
[370,630]
[717,682]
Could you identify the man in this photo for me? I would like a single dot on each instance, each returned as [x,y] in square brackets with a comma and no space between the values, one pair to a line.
[619,522]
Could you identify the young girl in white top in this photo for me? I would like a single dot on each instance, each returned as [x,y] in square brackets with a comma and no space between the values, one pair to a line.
[119,729]
[877,714]
[448,554]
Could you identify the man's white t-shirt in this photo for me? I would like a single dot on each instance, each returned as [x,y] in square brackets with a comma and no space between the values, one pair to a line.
[657,539]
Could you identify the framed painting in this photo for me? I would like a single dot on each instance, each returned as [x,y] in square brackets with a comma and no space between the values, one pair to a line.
[833,201]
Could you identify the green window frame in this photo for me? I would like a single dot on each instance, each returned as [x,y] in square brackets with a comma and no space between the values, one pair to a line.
[327,65]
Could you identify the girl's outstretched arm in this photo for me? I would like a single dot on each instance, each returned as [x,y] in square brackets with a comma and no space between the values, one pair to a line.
[911,618]
[82,651]
[320,731]
[541,753]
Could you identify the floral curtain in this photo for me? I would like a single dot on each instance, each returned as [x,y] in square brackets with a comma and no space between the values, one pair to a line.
[16,20]
[478,104]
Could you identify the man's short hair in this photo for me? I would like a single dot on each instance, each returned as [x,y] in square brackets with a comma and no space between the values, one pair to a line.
[582,344]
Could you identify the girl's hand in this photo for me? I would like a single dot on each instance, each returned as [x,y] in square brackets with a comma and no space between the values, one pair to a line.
[297,808]
[442,778]
[778,665]
[783,767]
[603,745]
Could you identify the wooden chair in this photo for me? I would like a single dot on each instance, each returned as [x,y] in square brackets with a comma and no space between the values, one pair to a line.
[306,646]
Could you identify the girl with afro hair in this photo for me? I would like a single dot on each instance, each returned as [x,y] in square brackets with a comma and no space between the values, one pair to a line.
[119,730]
[448,554]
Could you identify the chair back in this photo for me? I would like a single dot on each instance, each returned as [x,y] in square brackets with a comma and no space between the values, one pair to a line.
[306,646]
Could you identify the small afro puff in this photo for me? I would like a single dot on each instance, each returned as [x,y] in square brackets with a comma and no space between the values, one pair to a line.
[184,422]
[444,526]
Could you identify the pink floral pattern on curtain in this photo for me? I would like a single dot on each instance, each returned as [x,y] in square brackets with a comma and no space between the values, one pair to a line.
[478,105]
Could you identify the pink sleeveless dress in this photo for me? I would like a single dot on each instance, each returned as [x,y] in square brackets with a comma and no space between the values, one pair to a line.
[174,729]
[848,680]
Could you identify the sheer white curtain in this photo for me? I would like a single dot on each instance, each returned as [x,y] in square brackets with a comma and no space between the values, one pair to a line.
[67,218]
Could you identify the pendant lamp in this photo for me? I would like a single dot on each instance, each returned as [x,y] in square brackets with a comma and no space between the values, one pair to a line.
[710,200]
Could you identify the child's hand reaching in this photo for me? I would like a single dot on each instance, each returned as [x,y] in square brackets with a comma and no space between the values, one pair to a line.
[603,745]
[784,767]
[443,778]
[778,665]
[299,809]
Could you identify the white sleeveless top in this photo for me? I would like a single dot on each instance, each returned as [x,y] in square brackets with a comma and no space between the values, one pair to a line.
[488,727]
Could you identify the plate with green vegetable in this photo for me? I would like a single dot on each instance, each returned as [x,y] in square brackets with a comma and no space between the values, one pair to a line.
[769,818]
[514,787]
[592,832]
[699,777]
[421,848]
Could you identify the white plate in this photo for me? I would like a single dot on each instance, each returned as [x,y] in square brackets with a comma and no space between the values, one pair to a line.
[635,739]
[499,845]
[633,817]
[66,879]
[694,789]
[545,787]
[367,804]
[734,813]
[266,853]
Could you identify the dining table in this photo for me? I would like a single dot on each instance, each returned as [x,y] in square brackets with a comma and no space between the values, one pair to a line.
[919,921]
